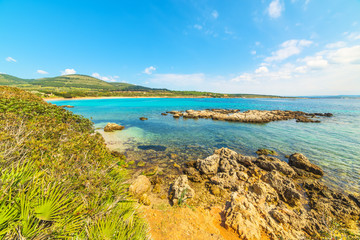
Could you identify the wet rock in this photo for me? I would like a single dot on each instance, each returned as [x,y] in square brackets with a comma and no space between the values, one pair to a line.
[298,160]
[164,114]
[181,189]
[208,165]
[143,118]
[110,127]
[140,186]
[264,151]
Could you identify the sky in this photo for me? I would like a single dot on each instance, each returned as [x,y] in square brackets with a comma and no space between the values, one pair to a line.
[280,47]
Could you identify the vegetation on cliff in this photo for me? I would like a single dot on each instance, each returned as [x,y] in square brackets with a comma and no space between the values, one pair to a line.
[57,178]
[76,85]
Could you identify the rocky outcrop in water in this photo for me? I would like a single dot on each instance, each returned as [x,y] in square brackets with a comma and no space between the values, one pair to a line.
[250,116]
[110,127]
[272,198]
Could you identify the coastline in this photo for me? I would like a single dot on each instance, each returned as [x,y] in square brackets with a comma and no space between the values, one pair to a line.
[89,98]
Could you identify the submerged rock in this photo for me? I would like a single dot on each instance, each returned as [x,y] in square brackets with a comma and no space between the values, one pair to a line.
[110,127]
[157,148]
[264,151]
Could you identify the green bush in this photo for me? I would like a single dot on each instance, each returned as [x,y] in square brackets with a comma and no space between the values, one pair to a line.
[57,178]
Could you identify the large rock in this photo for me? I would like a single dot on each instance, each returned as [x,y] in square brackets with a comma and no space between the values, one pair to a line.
[272,163]
[110,127]
[298,160]
[208,165]
[284,186]
[181,189]
[140,186]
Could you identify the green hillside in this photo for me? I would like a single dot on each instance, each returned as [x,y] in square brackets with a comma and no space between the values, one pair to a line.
[57,178]
[77,85]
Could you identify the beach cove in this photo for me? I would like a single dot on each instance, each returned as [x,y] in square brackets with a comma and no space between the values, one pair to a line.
[332,144]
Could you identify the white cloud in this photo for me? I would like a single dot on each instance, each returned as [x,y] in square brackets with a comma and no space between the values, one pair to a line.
[345,55]
[215,14]
[275,9]
[262,70]
[339,44]
[315,62]
[10,59]
[353,36]
[149,70]
[198,27]
[104,78]
[288,49]
[42,72]
[68,71]
[253,52]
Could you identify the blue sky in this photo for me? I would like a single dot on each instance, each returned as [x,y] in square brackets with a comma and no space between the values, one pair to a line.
[294,47]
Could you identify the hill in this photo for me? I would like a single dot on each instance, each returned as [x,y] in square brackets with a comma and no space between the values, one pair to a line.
[77,85]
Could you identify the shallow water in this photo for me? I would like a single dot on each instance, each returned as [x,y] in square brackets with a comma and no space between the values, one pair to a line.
[334,144]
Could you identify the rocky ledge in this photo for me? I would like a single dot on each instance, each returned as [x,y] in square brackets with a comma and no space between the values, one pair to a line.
[250,116]
[269,197]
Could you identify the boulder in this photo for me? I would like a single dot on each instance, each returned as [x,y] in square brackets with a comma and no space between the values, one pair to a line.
[272,163]
[284,186]
[140,186]
[143,118]
[208,165]
[299,160]
[181,189]
[110,127]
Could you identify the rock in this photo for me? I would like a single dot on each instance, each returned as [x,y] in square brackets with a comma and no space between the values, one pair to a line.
[193,174]
[272,163]
[283,186]
[330,203]
[208,165]
[242,216]
[298,160]
[215,190]
[140,186]
[250,116]
[164,114]
[180,189]
[66,106]
[144,199]
[110,127]
[264,151]
[143,118]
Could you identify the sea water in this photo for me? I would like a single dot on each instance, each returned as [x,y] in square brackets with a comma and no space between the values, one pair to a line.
[333,144]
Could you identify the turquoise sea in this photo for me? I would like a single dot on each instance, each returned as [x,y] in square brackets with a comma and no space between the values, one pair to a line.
[334,144]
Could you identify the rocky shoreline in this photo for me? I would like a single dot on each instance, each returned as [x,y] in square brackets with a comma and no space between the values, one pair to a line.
[250,116]
[258,196]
